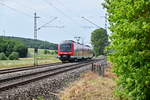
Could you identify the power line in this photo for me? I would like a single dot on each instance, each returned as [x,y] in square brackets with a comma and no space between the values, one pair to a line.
[50,4]
[60,11]
[88,27]
[33,9]
[77,14]
[47,23]
[23,5]
[105,24]
[54,26]
[58,1]
[90,22]
[16,10]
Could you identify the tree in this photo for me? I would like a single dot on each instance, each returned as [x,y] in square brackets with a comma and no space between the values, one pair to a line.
[3,56]
[130,42]
[14,56]
[99,39]
[21,49]
[8,46]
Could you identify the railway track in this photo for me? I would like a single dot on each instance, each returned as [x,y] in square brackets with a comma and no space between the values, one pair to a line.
[8,83]
[11,70]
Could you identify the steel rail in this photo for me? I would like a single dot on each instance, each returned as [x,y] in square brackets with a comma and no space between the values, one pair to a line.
[22,82]
[11,70]
[34,73]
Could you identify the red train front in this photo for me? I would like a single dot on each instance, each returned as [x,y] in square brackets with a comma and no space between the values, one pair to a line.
[69,50]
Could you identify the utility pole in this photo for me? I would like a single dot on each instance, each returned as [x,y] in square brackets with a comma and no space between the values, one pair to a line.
[78,39]
[35,35]
[82,46]
[107,33]
[106,22]
[35,38]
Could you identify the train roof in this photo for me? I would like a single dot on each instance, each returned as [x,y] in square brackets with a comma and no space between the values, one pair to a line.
[71,41]
[68,41]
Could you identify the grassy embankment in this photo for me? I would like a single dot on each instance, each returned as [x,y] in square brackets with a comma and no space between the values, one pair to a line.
[42,59]
[91,87]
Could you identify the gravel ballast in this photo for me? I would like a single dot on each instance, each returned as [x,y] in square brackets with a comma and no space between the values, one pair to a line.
[20,73]
[46,88]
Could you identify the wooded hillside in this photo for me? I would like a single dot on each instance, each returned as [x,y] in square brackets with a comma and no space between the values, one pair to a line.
[30,43]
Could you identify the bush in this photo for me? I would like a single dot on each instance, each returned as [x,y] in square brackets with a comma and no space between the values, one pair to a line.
[14,56]
[130,42]
[46,51]
[52,53]
[56,52]
[3,56]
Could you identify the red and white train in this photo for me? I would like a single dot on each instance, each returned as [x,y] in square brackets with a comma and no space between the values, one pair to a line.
[70,51]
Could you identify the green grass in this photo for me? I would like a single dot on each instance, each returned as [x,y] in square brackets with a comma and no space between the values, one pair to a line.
[41,59]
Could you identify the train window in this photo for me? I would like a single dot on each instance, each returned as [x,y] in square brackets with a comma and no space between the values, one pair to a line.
[65,47]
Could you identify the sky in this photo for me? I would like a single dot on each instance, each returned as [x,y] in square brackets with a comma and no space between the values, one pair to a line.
[17,19]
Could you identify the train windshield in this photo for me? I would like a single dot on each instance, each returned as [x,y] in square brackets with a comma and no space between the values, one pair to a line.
[65,47]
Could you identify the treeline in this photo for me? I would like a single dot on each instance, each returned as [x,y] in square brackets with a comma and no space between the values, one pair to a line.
[12,49]
[30,43]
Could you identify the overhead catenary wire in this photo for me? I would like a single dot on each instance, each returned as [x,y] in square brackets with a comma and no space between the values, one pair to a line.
[61,12]
[16,10]
[58,1]
[33,10]
[91,22]
[26,14]
[47,23]
[26,7]
[58,10]
[19,11]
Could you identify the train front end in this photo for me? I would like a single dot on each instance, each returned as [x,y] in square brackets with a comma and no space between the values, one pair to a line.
[66,51]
